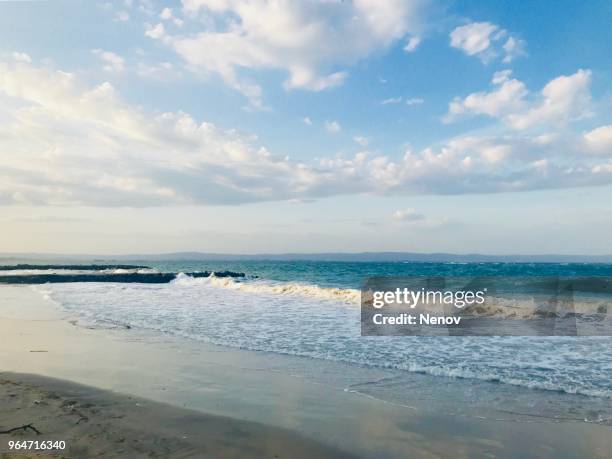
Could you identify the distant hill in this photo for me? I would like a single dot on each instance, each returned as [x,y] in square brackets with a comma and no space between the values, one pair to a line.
[347,257]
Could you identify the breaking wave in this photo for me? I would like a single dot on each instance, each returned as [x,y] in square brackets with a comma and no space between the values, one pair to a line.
[352,296]
[524,307]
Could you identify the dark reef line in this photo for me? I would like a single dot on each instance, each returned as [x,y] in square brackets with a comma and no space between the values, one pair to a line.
[145,278]
[74,267]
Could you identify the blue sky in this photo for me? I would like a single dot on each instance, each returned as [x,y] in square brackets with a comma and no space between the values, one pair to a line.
[272,126]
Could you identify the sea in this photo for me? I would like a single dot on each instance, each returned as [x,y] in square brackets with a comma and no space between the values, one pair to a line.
[310,310]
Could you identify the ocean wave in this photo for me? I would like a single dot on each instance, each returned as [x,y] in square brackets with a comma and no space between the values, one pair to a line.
[515,306]
[351,296]
[530,307]
[547,385]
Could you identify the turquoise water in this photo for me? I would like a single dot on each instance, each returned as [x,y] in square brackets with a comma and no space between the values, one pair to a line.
[351,274]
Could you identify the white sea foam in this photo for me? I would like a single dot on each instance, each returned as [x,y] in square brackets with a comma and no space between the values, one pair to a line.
[311,321]
[352,296]
[525,306]
[128,271]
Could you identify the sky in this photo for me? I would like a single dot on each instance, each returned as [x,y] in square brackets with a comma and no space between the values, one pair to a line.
[270,126]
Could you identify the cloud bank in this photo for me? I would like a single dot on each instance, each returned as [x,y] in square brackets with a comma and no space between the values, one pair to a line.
[63,142]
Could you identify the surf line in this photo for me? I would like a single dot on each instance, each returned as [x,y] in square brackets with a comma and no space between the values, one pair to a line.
[413,319]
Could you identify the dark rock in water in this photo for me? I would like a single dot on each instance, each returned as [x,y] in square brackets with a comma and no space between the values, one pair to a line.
[602,309]
[144,278]
[147,278]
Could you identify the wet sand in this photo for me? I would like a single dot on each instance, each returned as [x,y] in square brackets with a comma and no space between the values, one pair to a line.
[98,423]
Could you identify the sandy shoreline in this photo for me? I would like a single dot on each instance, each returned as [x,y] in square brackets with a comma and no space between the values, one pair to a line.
[97,423]
[258,389]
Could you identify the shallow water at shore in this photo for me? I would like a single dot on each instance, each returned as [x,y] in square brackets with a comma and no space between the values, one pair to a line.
[370,411]
[324,323]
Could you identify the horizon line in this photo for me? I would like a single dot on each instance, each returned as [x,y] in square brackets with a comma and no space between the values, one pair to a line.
[299,254]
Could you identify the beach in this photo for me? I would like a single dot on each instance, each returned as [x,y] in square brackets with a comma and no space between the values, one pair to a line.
[97,423]
[238,388]
[371,229]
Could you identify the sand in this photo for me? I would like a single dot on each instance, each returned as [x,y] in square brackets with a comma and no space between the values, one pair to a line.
[98,423]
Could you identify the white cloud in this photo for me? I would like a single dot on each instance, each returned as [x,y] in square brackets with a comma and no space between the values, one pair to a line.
[507,97]
[501,77]
[112,61]
[363,141]
[413,219]
[473,38]
[513,48]
[407,215]
[21,57]
[166,14]
[163,71]
[399,99]
[312,41]
[474,165]
[484,39]
[146,7]
[307,120]
[333,126]
[599,139]
[391,101]
[65,143]
[304,79]
[546,138]
[563,99]
[157,32]
[412,44]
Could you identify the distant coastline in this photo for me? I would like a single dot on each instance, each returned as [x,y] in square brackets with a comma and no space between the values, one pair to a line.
[326,256]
